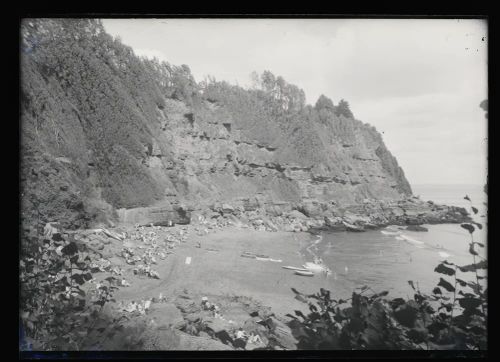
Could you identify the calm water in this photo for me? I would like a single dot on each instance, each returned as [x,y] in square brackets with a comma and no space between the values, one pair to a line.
[387,259]
[453,195]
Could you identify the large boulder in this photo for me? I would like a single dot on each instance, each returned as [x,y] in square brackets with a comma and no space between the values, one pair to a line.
[356,219]
[227,209]
[274,210]
[250,204]
[167,314]
[312,209]
[352,227]
[334,223]
[296,214]
[416,228]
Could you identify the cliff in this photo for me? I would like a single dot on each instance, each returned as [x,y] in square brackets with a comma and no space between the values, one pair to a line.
[107,137]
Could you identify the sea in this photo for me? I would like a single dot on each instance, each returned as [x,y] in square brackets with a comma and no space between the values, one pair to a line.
[387,259]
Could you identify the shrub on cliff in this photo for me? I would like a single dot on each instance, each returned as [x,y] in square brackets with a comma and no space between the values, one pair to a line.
[454,316]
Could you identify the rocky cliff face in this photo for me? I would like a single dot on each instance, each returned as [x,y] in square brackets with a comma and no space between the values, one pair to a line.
[214,160]
[105,138]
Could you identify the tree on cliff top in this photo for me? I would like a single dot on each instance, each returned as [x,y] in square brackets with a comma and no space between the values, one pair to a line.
[343,109]
[286,97]
[324,102]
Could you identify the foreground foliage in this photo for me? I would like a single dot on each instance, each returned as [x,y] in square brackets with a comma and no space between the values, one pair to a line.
[453,316]
[61,300]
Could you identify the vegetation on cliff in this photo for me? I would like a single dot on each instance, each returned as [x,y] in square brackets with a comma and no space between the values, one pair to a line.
[93,114]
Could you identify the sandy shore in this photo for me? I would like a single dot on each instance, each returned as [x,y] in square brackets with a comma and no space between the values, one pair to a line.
[226,272]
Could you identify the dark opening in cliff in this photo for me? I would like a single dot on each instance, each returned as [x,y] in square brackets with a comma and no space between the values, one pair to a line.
[190,118]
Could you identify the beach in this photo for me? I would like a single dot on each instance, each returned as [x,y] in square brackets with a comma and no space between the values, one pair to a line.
[217,268]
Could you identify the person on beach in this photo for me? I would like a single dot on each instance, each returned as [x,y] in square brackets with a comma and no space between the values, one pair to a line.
[240,340]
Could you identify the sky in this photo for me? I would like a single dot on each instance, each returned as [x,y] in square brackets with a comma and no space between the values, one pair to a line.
[418,81]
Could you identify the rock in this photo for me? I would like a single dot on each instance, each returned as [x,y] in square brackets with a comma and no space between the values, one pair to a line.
[57,236]
[335,223]
[356,219]
[168,314]
[213,215]
[250,204]
[160,339]
[284,336]
[106,254]
[218,325]
[257,342]
[236,313]
[192,343]
[270,225]
[49,230]
[416,228]
[227,209]
[96,245]
[251,326]
[397,211]
[414,220]
[197,316]
[187,306]
[274,210]
[296,214]
[370,226]
[351,227]
[312,209]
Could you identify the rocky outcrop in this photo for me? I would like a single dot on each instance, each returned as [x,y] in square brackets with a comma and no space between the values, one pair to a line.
[317,216]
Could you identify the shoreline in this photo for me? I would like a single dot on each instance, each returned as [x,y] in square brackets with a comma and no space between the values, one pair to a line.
[312,215]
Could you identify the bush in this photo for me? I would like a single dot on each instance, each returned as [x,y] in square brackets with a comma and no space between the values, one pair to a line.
[61,302]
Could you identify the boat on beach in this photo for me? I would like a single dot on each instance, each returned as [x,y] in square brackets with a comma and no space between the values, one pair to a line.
[314,267]
[295,268]
[304,273]
[393,233]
